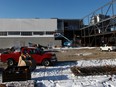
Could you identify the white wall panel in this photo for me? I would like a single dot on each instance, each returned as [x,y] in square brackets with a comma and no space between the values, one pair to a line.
[28,24]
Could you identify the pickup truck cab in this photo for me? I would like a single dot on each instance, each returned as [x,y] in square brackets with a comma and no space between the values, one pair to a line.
[107,48]
[40,56]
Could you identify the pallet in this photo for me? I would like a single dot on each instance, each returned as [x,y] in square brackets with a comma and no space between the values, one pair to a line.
[16,74]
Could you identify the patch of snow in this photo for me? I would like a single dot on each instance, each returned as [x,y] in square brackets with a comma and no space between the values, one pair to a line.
[71,48]
[83,54]
[60,75]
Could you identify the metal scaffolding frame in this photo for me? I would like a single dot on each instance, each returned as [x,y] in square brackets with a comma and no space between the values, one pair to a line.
[100,26]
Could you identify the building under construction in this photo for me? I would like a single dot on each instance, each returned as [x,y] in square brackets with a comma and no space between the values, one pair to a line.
[100,26]
[95,29]
[20,32]
[70,30]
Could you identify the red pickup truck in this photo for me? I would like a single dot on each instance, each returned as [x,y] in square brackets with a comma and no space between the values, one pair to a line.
[40,56]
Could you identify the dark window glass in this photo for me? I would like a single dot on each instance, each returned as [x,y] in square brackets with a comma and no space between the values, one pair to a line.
[38,33]
[50,33]
[13,33]
[26,33]
[3,33]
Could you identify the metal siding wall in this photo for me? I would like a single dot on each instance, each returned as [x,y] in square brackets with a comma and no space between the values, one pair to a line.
[28,24]
[9,42]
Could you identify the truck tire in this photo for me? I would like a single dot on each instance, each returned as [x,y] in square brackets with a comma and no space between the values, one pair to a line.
[10,62]
[109,50]
[101,50]
[46,62]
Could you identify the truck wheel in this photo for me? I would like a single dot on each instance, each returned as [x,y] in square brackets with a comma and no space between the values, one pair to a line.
[109,50]
[10,62]
[101,50]
[46,62]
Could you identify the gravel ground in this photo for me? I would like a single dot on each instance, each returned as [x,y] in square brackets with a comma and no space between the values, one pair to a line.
[86,54]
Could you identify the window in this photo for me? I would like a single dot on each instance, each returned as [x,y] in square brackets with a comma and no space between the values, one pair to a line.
[33,51]
[49,33]
[13,33]
[3,33]
[38,33]
[26,33]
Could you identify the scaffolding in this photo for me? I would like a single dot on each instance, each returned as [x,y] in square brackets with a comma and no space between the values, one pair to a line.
[100,26]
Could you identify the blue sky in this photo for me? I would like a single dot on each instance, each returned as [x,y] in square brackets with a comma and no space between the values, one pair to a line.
[48,8]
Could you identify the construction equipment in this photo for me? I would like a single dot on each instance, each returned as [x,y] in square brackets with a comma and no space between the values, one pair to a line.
[68,43]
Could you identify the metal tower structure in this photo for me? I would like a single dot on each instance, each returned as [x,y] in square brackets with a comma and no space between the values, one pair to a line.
[100,26]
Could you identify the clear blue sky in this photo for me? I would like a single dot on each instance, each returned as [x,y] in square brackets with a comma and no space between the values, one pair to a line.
[48,8]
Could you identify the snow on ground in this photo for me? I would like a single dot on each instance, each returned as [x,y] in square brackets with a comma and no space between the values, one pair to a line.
[60,75]
[70,48]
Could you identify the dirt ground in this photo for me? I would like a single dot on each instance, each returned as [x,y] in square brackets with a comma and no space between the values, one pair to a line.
[86,54]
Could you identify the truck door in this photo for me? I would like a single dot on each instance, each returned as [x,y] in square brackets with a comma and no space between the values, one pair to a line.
[34,53]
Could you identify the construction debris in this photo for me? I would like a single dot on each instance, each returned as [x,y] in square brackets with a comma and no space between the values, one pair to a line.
[94,70]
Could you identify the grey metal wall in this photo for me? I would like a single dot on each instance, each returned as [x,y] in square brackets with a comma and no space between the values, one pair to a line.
[23,41]
[28,24]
